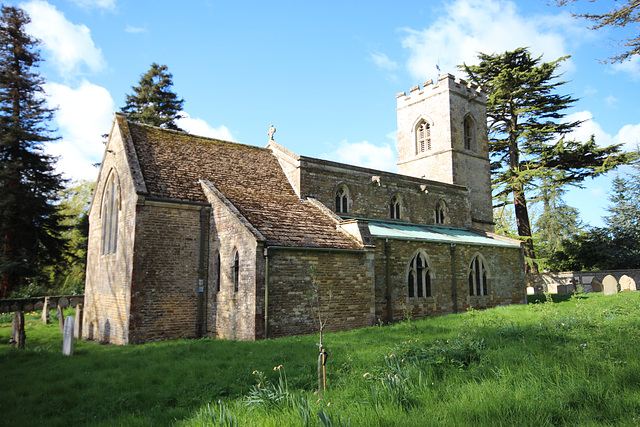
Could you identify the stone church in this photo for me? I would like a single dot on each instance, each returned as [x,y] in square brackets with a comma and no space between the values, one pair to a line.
[197,237]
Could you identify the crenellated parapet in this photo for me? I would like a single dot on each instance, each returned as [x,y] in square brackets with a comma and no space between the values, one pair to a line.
[445,83]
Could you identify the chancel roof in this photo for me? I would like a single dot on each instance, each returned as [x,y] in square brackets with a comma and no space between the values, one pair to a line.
[173,164]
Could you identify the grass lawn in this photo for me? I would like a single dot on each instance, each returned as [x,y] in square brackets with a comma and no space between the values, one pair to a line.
[574,362]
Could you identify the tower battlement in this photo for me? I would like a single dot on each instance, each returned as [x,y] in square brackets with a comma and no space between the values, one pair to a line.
[445,83]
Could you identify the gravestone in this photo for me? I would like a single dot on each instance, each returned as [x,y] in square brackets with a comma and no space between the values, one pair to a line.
[45,311]
[77,325]
[67,337]
[61,319]
[610,285]
[596,285]
[627,283]
[18,335]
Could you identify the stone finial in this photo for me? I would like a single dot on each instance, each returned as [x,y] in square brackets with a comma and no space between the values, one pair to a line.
[271,131]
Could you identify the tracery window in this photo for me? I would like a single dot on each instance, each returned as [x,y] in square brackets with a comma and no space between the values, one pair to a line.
[419,280]
[342,199]
[236,272]
[423,137]
[395,206]
[441,212]
[110,213]
[478,277]
[468,132]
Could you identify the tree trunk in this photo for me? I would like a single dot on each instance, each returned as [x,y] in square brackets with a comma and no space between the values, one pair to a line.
[524,228]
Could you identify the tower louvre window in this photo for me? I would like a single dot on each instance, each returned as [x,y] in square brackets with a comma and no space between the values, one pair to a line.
[468,132]
[423,137]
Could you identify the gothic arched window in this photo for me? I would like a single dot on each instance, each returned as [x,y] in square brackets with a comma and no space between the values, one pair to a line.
[419,280]
[342,199]
[423,137]
[236,272]
[468,132]
[110,213]
[395,205]
[478,277]
[441,212]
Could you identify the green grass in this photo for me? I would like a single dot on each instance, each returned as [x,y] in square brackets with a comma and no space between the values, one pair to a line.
[574,362]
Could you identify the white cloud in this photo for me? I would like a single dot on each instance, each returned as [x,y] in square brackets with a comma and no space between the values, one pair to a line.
[383,61]
[97,4]
[630,67]
[468,27]
[366,155]
[135,30]
[69,46]
[628,135]
[611,101]
[202,128]
[84,114]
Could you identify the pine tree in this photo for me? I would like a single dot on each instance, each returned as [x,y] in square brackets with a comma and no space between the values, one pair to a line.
[153,102]
[527,133]
[624,14]
[29,218]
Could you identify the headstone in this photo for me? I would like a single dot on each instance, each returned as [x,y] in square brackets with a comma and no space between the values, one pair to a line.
[562,289]
[45,311]
[77,325]
[67,337]
[18,335]
[596,285]
[610,285]
[61,319]
[627,283]
[63,302]
[531,290]
[586,280]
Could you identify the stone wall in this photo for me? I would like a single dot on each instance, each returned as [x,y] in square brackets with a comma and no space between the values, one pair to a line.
[444,105]
[505,281]
[568,281]
[165,277]
[231,314]
[108,279]
[349,274]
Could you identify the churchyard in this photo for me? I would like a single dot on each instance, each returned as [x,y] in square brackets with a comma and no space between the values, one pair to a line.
[569,362]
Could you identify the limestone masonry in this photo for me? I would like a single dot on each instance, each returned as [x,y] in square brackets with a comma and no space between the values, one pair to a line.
[196,237]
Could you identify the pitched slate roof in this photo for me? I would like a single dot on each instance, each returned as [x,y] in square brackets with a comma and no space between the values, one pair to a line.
[250,177]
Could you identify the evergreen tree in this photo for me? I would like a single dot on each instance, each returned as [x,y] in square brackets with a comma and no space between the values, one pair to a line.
[29,186]
[624,14]
[153,102]
[526,133]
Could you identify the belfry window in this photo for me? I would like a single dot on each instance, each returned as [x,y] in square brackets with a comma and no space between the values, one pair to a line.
[423,137]
[218,272]
[468,132]
[342,199]
[419,280]
[110,213]
[478,277]
[441,212]
[394,207]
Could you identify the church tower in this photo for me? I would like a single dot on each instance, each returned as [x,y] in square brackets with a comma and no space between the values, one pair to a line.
[442,136]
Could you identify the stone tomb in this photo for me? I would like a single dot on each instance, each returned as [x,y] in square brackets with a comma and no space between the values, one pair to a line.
[627,284]
[67,337]
[610,285]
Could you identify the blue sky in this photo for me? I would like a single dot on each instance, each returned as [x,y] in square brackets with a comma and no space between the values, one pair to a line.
[326,74]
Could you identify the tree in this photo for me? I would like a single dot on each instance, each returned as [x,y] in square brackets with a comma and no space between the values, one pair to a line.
[614,246]
[527,133]
[29,218]
[619,17]
[68,275]
[556,223]
[153,102]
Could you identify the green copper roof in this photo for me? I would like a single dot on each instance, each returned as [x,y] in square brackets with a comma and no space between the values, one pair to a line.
[433,233]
